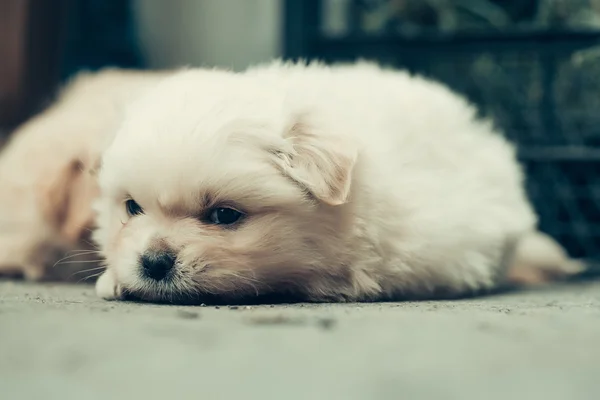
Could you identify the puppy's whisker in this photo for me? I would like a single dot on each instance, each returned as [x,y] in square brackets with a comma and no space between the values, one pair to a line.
[82,252]
[80,262]
[90,276]
[99,269]
[89,270]
[68,257]
[89,243]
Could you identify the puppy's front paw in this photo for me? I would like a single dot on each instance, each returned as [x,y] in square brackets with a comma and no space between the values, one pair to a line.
[108,288]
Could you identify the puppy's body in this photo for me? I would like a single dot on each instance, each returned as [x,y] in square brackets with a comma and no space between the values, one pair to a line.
[46,190]
[355,183]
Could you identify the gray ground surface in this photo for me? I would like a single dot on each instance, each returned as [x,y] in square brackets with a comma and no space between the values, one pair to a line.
[60,342]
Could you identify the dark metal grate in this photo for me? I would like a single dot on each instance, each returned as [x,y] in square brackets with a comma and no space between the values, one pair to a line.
[540,82]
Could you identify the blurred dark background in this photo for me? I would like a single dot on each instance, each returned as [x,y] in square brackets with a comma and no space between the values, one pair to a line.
[532,65]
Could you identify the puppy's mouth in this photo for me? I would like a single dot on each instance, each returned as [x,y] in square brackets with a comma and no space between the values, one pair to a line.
[171,295]
[167,291]
[162,298]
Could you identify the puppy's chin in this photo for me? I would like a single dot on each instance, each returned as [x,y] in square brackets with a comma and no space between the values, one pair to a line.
[155,292]
[173,292]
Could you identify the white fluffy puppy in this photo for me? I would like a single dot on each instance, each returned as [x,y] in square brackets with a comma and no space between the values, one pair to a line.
[327,183]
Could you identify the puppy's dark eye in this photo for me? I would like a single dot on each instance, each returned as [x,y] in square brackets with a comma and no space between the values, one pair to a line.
[133,208]
[224,216]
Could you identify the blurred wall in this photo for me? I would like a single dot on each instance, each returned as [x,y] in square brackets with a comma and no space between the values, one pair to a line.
[225,33]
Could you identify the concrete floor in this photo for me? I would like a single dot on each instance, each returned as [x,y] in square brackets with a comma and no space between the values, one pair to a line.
[60,342]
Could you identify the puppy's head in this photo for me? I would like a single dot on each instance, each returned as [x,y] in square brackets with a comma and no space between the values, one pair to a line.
[214,187]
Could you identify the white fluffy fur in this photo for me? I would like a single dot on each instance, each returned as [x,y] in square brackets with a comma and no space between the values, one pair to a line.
[358,184]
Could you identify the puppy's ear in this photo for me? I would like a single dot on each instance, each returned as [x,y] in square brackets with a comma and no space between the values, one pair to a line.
[66,200]
[320,162]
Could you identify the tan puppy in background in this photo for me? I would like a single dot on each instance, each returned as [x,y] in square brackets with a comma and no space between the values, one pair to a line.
[347,183]
[46,190]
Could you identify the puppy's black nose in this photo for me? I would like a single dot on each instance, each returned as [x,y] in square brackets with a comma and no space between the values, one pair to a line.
[157,265]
